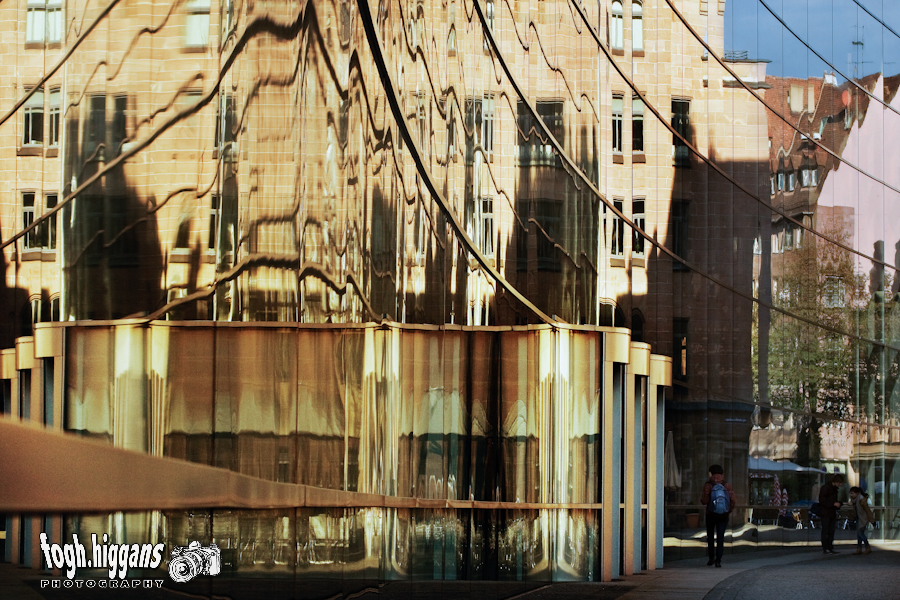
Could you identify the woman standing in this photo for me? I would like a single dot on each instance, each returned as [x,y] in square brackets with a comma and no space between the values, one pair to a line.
[859,501]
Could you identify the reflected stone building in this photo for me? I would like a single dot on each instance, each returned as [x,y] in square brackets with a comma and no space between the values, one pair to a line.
[425,286]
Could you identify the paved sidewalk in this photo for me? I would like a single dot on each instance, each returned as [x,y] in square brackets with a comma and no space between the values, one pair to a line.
[789,573]
[801,573]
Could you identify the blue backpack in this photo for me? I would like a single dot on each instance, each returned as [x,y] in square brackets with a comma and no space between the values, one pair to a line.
[719,502]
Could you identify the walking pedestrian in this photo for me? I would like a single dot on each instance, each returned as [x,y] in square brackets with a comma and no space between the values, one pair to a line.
[719,500]
[828,501]
[859,501]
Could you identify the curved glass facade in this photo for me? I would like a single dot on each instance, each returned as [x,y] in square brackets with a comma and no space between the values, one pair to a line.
[384,248]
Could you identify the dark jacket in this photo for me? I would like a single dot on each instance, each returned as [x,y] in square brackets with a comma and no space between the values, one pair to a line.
[828,495]
[707,492]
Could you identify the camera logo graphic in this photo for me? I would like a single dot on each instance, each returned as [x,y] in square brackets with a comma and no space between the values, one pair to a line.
[186,562]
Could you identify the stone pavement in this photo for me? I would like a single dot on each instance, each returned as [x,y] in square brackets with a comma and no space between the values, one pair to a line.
[801,573]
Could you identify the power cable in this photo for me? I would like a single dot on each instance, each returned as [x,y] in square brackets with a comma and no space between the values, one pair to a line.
[885,25]
[792,126]
[590,185]
[822,58]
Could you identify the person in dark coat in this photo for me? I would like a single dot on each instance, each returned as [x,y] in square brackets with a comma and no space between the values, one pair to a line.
[829,505]
[716,524]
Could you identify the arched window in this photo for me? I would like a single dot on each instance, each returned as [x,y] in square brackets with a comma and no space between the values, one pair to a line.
[637,26]
[616,30]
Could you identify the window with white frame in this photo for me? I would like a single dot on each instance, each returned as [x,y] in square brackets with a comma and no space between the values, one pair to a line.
[487,126]
[681,122]
[489,17]
[226,18]
[451,127]
[422,120]
[616,34]
[54,117]
[33,120]
[487,226]
[214,212]
[617,246]
[834,292]
[617,124]
[637,125]
[196,24]
[792,181]
[809,177]
[43,21]
[640,220]
[30,240]
[49,239]
[451,37]
[637,26]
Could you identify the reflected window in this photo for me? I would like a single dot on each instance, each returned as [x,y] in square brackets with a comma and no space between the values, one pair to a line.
[791,181]
[681,122]
[422,120]
[30,240]
[196,24]
[489,17]
[119,123]
[777,242]
[617,124]
[214,212]
[49,226]
[780,181]
[834,292]
[35,311]
[680,349]
[95,125]
[810,176]
[226,17]
[487,137]
[637,245]
[616,28]
[617,247]
[637,26]
[451,37]
[487,226]
[54,117]
[451,127]
[225,126]
[637,125]
[33,120]
[772,185]
[43,22]
[480,122]
[534,150]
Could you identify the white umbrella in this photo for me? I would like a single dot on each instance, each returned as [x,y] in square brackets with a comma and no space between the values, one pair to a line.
[673,473]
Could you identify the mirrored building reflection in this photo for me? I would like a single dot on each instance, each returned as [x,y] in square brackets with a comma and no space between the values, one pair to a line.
[488,285]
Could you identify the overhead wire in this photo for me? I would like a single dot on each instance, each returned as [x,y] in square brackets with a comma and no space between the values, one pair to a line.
[619,214]
[868,12]
[834,155]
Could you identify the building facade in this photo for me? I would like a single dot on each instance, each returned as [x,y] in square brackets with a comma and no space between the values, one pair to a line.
[467,276]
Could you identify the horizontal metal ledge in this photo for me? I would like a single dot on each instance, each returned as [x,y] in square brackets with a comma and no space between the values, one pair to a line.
[48,471]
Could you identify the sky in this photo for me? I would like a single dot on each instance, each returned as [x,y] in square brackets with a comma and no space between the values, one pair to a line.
[829,26]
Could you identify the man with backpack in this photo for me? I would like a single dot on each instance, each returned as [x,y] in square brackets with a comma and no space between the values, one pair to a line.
[719,500]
